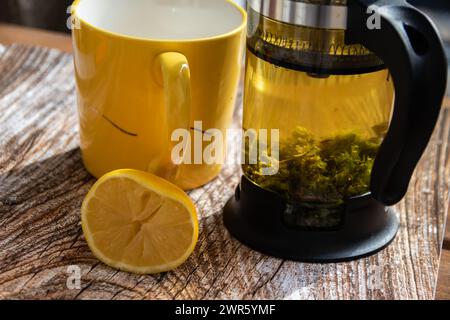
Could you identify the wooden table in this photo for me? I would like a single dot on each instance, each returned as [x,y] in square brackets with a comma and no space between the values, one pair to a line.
[42,184]
[443,286]
[10,34]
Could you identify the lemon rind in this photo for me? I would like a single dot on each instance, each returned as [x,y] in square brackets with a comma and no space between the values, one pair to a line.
[159,186]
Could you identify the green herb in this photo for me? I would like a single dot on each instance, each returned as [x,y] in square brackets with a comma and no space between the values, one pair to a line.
[321,172]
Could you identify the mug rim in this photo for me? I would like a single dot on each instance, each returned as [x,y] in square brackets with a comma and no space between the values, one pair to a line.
[224,35]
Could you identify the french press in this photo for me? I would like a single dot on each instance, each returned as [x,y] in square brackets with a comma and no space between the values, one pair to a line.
[354,89]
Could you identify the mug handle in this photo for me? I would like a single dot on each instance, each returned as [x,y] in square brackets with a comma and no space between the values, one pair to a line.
[409,44]
[176,80]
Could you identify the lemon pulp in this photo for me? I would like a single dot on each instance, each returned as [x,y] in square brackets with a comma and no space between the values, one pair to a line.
[137,222]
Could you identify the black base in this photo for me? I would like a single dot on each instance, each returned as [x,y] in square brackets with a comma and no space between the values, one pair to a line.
[254,216]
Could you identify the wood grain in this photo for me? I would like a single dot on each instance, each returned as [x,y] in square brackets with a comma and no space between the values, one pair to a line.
[446,244]
[443,287]
[43,182]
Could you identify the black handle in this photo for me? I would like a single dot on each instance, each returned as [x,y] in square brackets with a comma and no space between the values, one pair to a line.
[409,44]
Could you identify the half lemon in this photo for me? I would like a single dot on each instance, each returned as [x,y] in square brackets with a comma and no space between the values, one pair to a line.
[137,222]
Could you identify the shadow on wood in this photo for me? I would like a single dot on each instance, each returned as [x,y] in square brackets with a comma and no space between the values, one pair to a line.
[39,214]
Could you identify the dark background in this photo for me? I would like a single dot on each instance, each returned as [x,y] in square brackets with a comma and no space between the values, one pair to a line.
[52,14]
[45,14]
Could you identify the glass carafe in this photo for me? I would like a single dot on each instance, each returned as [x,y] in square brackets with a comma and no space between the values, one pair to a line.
[354,89]
[331,103]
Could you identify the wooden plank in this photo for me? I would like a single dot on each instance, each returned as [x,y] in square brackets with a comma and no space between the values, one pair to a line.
[446,244]
[447,101]
[10,34]
[443,287]
[43,182]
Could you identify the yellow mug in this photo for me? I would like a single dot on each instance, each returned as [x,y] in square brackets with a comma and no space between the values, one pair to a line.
[145,68]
